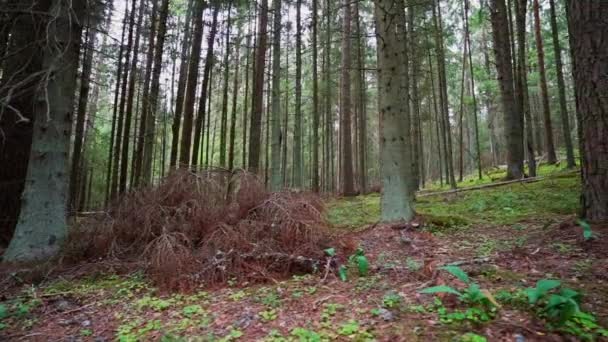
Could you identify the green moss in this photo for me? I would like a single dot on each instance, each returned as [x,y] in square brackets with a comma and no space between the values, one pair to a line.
[509,204]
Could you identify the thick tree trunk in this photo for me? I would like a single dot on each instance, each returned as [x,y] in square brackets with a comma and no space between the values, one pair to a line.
[563,107]
[21,72]
[590,42]
[297,131]
[394,152]
[42,223]
[512,117]
[544,92]
[255,136]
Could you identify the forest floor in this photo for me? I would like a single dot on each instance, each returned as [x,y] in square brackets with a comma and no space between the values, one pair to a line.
[505,238]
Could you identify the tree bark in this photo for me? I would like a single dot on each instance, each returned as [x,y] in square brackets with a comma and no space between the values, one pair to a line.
[348,187]
[255,136]
[42,223]
[275,120]
[512,118]
[315,101]
[563,107]
[394,152]
[544,92]
[590,42]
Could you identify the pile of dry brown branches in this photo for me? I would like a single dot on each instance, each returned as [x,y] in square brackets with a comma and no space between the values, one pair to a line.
[207,228]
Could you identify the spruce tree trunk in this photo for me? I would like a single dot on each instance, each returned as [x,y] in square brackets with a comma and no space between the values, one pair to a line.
[17,125]
[150,124]
[563,107]
[255,135]
[275,120]
[590,43]
[512,117]
[417,153]
[85,81]
[297,131]
[348,187]
[361,103]
[209,62]
[42,223]
[315,100]
[394,152]
[544,92]
[224,118]
[521,85]
[181,87]
[235,94]
[190,97]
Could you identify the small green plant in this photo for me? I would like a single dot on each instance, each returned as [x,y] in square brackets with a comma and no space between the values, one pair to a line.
[305,335]
[268,315]
[192,310]
[391,300]
[156,304]
[587,232]
[86,332]
[413,265]
[271,300]
[471,337]
[238,296]
[472,294]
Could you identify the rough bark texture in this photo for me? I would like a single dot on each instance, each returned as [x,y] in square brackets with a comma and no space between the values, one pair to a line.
[17,113]
[315,101]
[224,118]
[394,154]
[42,223]
[512,117]
[589,30]
[297,131]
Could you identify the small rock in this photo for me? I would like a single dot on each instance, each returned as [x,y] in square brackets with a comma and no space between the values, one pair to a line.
[386,315]
[245,321]
[86,323]
[519,338]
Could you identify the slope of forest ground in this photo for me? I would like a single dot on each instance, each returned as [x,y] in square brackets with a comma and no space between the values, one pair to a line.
[505,239]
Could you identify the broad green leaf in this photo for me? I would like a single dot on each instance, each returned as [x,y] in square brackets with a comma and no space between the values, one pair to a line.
[342,273]
[546,285]
[3,311]
[457,272]
[587,232]
[570,294]
[362,264]
[330,252]
[440,289]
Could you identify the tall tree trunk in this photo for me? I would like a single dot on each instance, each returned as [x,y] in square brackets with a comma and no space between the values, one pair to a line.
[235,94]
[590,43]
[315,100]
[224,117]
[443,92]
[394,152]
[116,167]
[114,135]
[361,102]
[275,120]
[209,61]
[417,155]
[521,83]
[512,117]
[246,100]
[85,80]
[138,152]
[297,132]
[476,121]
[21,73]
[42,223]
[124,161]
[563,107]
[544,92]
[190,97]
[181,86]
[348,186]
[150,123]
[255,136]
